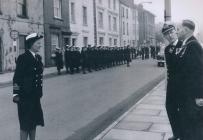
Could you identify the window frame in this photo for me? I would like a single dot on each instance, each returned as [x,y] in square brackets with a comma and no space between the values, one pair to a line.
[72,12]
[84,15]
[100,20]
[109,19]
[115,24]
[0,7]
[23,13]
[57,9]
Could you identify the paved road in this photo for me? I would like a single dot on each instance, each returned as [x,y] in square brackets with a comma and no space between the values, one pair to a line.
[70,102]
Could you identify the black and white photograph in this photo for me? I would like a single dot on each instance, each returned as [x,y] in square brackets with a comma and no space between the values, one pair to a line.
[101,70]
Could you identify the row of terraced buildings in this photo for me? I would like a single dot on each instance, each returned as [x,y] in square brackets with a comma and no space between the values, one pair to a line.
[71,22]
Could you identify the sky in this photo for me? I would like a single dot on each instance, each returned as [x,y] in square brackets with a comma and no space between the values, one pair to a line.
[180,9]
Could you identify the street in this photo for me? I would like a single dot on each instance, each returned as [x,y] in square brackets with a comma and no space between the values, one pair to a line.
[71,102]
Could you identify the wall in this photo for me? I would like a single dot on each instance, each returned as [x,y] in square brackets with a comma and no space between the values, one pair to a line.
[105,32]
[10,21]
[78,29]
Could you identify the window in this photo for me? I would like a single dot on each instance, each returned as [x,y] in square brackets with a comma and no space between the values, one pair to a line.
[127,29]
[133,43]
[101,41]
[66,41]
[57,8]
[85,41]
[110,22]
[110,42]
[135,13]
[73,41]
[101,24]
[84,12]
[100,1]
[109,4]
[114,4]
[0,7]
[123,12]
[126,13]
[114,24]
[134,29]
[115,42]
[123,28]
[21,44]
[54,41]
[21,8]
[72,12]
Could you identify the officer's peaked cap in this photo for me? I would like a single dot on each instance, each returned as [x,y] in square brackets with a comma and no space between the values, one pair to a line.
[167,27]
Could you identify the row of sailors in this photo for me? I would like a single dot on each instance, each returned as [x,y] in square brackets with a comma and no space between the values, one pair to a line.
[92,58]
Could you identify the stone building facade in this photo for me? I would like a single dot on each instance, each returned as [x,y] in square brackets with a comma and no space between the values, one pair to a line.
[18,18]
[146,26]
[56,27]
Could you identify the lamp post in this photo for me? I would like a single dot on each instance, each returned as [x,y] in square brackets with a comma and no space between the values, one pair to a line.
[167,11]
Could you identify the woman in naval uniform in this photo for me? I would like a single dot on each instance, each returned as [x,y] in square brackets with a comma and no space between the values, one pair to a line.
[27,87]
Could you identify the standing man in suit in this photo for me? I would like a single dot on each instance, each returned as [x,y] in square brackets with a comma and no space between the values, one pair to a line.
[27,87]
[191,75]
[172,92]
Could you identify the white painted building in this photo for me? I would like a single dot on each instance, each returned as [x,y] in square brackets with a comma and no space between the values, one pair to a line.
[107,14]
[135,26]
[81,22]
[128,23]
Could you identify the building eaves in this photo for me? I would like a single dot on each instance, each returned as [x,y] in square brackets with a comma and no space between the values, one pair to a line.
[128,3]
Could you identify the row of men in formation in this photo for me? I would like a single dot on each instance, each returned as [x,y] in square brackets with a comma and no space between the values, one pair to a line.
[146,52]
[92,58]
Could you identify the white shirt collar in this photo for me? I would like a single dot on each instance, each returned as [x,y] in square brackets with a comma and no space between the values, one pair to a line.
[175,42]
[184,42]
[32,53]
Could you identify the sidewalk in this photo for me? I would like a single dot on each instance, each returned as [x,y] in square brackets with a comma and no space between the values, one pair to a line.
[6,78]
[146,120]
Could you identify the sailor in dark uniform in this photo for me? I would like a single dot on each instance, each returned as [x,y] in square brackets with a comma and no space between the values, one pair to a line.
[58,59]
[173,81]
[191,75]
[27,87]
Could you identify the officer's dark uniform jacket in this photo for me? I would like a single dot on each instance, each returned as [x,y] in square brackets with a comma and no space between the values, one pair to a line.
[173,95]
[27,84]
[172,67]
